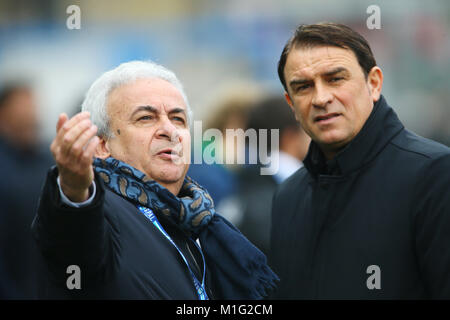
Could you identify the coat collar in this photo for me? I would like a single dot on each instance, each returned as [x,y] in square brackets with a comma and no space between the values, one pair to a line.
[381,126]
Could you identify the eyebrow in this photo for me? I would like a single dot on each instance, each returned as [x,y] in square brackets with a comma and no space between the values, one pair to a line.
[177,110]
[143,108]
[334,71]
[155,110]
[326,74]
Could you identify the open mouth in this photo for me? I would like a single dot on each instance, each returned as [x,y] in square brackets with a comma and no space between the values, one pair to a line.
[326,117]
[168,153]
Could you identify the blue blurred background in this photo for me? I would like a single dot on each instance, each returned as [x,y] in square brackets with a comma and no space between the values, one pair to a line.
[211,44]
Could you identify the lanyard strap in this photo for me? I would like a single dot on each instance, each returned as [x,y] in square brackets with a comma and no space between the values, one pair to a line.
[200,287]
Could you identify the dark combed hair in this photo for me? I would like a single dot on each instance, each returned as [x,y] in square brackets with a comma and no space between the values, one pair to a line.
[328,34]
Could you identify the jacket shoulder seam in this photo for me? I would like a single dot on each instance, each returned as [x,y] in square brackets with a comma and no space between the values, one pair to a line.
[411,151]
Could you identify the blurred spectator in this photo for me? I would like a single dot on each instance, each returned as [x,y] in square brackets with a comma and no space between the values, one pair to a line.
[230,108]
[256,190]
[23,166]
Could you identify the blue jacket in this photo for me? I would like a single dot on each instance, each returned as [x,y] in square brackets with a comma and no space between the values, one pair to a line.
[373,223]
[119,252]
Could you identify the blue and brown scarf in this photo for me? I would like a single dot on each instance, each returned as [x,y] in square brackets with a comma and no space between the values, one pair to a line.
[236,265]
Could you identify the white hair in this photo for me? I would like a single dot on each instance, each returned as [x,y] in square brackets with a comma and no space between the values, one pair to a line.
[96,99]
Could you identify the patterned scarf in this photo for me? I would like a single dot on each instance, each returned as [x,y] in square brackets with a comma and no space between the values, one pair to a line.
[237,267]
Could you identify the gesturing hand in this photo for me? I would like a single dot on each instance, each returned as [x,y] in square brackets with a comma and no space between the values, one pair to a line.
[73,149]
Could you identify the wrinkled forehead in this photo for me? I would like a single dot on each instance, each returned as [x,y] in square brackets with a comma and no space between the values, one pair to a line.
[310,61]
[158,93]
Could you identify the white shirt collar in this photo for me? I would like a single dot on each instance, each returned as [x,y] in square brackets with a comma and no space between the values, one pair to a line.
[287,165]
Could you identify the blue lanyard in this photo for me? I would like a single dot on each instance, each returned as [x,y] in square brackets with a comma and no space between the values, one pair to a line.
[200,287]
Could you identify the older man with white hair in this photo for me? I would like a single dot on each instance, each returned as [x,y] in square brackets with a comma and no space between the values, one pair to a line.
[118,217]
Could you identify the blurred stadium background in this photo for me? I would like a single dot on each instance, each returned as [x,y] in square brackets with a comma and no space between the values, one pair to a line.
[212,44]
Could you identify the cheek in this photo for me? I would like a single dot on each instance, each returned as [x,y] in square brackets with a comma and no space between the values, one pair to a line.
[128,146]
[302,113]
[357,100]
[348,94]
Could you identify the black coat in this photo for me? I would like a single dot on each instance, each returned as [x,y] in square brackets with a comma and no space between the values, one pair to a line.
[22,175]
[255,200]
[383,201]
[120,253]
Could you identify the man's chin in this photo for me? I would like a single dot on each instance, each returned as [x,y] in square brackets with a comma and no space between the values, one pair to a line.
[169,175]
[332,138]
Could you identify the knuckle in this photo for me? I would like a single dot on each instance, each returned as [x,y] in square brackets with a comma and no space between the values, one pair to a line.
[66,139]
[87,156]
[65,127]
[76,148]
[84,154]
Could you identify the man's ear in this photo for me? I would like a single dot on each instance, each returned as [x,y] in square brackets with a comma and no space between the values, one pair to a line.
[375,82]
[102,150]
[291,105]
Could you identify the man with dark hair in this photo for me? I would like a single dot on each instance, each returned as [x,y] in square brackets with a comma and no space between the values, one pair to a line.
[328,34]
[368,216]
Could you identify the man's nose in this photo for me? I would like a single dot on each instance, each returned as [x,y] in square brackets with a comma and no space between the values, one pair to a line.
[167,130]
[322,95]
